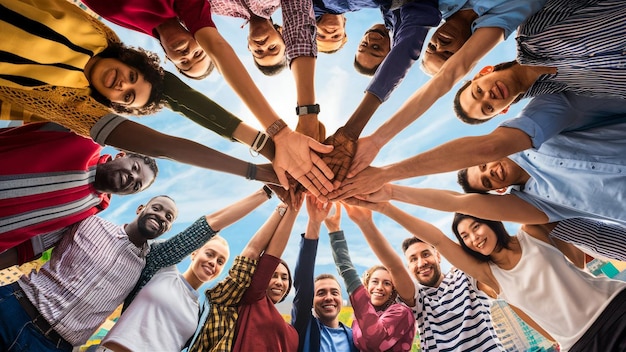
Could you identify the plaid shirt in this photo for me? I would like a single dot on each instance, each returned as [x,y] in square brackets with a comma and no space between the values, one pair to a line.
[221,308]
[299,28]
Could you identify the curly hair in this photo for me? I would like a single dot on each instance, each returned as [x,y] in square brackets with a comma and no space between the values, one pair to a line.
[148,64]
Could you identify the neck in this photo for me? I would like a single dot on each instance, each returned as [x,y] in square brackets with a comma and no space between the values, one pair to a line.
[87,69]
[168,26]
[133,234]
[504,257]
[192,279]
[468,16]
[528,74]
[332,323]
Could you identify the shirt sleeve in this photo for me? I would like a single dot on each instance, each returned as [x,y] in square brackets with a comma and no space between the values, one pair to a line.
[198,107]
[299,28]
[194,14]
[380,333]
[100,131]
[604,238]
[261,278]
[412,22]
[303,284]
[508,15]
[231,289]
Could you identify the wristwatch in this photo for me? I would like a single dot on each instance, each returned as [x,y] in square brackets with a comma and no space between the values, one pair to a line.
[307,109]
[275,127]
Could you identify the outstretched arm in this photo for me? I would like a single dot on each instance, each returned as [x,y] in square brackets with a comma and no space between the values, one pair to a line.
[295,153]
[457,67]
[234,212]
[459,153]
[258,243]
[138,138]
[430,234]
[485,206]
[388,257]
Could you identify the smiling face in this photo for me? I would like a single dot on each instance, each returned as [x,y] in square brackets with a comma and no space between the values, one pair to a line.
[374,46]
[156,217]
[477,236]
[331,32]
[208,261]
[424,262]
[490,93]
[183,50]
[379,287]
[327,301]
[444,43]
[495,175]
[123,175]
[120,83]
[265,43]
[279,284]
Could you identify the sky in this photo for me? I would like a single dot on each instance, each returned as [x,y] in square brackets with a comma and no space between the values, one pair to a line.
[339,89]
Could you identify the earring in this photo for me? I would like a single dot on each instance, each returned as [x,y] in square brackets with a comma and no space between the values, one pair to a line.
[485,70]
[505,110]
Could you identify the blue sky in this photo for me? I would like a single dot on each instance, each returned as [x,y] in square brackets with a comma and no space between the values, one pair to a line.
[339,89]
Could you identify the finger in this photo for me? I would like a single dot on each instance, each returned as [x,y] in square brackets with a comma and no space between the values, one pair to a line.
[282,178]
[356,167]
[304,181]
[321,165]
[319,147]
[316,183]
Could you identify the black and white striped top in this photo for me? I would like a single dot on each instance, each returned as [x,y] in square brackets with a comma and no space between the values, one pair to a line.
[584,39]
[455,316]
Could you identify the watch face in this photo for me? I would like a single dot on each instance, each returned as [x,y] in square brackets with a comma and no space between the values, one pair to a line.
[308,109]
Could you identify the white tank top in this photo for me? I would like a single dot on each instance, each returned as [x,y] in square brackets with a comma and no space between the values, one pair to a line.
[562,299]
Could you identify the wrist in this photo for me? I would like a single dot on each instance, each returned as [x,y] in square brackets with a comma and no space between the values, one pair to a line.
[311,109]
[276,128]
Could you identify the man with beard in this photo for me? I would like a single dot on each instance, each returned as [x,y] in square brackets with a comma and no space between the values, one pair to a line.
[452,313]
[65,180]
[91,271]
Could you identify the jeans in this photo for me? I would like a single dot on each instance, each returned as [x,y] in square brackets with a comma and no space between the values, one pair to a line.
[17,331]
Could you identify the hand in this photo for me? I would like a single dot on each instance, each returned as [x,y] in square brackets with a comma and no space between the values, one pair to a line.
[366,151]
[292,196]
[316,210]
[333,220]
[384,194]
[296,154]
[379,207]
[310,126]
[367,181]
[358,214]
[340,158]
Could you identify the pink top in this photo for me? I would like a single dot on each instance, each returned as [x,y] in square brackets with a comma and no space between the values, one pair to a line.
[390,330]
[145,15]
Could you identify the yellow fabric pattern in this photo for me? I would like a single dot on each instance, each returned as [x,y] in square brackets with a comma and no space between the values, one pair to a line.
[65,98]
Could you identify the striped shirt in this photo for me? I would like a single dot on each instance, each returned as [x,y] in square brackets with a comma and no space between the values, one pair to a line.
[299,28]
[54,189]
[606,239]
[455,316]
[584,39]
[91,271]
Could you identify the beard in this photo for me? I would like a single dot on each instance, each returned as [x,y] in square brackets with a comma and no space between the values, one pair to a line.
[433,279]
[147,231]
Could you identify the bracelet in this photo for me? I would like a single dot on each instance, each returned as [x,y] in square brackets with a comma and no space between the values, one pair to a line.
[251,172]
[258,144]
[268,191]
[281,210]
[275,127]
[307,109]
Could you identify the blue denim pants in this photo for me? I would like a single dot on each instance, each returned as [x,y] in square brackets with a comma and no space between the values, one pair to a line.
[17,331]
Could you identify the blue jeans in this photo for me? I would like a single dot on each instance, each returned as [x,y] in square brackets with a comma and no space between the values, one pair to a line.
[17,331]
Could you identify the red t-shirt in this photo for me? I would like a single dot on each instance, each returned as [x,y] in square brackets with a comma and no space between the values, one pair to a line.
[145,15]
[260,327]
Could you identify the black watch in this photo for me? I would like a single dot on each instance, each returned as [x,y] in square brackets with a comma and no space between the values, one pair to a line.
[307,109]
